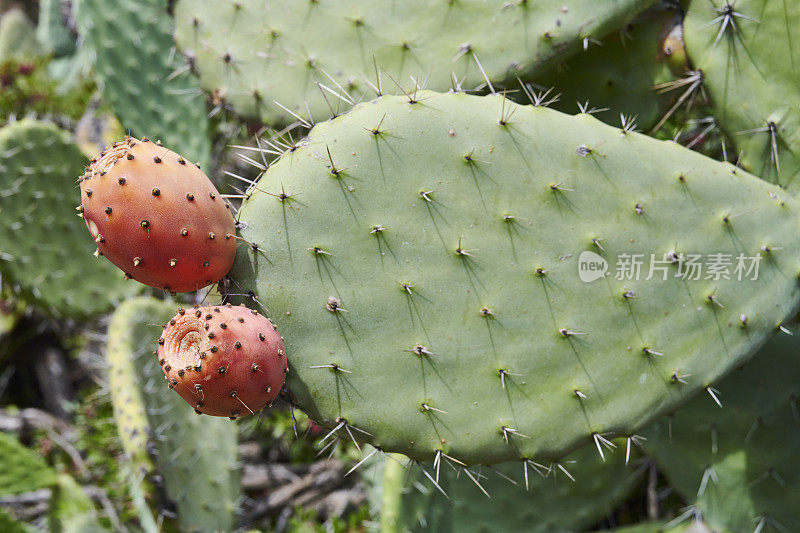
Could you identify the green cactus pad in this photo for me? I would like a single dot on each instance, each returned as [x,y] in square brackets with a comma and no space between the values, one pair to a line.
[52,32]
[748,51]
[549,501]
[421,261]
[9,525]
[46,252]
[23,469]
[71,509]
[141,76]
[17,37]
[618,76]
[196,457]
[252,54]
[739,463]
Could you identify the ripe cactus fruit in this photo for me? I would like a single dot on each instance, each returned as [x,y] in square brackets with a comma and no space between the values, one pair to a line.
[157,217]
[223,360]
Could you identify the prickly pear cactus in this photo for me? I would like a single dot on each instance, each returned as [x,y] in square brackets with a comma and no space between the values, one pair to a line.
[422,260]
[71,509]
[738,463]
[23,469]
[17,37]
[538,498]
[619,76]
[9,525]
[45,254]
[747,52]
[138,70]
[52,32]
[436,42]
[195,457]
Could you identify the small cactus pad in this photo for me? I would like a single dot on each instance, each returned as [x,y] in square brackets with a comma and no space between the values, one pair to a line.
[157,217]
[191,461]
[422,259]
[141,75]
[223,360]
[44,253]
[747,51]
[307,55]
[738,463]
[17,37]
[23,469]
[567,496]
[618,77]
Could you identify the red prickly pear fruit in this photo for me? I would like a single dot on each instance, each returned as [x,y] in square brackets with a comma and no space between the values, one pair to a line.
[224,360]
[157,217]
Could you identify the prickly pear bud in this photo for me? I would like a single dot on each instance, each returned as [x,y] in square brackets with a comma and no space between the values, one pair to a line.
[157,217]
[224,360]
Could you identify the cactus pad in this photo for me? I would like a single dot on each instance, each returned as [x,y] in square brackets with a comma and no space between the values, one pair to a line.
[747,51]
[739,464]
[421,260]
[338,43]
[23,469]
[538,498]
[141,78]
[45,253]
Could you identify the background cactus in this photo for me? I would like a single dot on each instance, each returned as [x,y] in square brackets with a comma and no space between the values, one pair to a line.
[737,463]
[17,37]
[148,91]
[45,257]
[437,43]
[745,51]
[538,498]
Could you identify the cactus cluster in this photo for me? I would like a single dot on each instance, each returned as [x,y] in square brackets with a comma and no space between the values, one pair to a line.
[431,260]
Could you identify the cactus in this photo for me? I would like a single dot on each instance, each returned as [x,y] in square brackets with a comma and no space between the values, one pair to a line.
[618,76]
[52,33]
[432,41]
[746,52]
[134,63]
[196,458]
[157,217]
[223,360]
[23,469]
[9,525]
[536,499]
[738,464]
[17,37]
[71,510]
[420,257]
[45,256]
